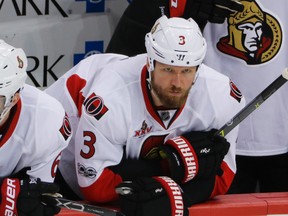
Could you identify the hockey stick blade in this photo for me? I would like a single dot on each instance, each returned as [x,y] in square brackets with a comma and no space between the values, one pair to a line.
[78,206]
[254,104]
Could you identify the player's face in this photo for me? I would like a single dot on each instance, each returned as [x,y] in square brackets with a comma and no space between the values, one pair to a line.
[172,84]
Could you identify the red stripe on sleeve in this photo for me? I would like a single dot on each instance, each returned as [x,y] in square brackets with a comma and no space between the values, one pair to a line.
[103,189]
[74,85]
[223,182]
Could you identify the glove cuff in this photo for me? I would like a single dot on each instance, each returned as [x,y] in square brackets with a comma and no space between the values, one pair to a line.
[174,193]
[188,156]
[10,190]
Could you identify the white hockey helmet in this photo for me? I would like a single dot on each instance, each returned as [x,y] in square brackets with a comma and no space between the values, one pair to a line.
[13,64]
[175,41]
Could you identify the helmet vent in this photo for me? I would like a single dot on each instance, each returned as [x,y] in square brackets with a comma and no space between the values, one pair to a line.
[6,84]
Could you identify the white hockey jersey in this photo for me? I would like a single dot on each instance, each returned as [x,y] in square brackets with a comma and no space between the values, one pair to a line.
[107,100]
[251,48]
[35,137]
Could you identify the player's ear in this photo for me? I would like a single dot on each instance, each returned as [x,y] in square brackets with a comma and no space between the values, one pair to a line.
[15,98]
[147,64]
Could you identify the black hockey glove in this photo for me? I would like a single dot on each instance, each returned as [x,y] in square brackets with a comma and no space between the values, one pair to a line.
[215,11]
[152,197]
[194,154]
[23,197]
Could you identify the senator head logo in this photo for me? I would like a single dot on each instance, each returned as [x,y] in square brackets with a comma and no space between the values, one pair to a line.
[254,35]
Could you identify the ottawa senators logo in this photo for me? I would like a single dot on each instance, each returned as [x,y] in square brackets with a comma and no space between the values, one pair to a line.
[253,35]
[66,130]
[234,92]
[94,106]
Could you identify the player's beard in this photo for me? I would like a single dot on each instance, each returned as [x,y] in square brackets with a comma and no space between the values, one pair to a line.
[168,101]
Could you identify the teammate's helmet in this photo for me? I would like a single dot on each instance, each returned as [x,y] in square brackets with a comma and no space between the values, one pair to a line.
[175,41]
[13,64]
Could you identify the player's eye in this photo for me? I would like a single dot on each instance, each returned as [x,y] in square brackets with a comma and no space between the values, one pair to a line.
[186,70]
[168,69]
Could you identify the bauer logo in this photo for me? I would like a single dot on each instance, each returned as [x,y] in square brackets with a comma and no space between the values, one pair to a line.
[94,6]
[91,47]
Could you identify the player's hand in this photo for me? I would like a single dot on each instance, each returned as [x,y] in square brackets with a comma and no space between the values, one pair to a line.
[23,197]
[151,197]
[194,154]
[215,11]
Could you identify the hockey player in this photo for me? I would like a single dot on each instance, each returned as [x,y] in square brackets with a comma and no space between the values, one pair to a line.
[33,131]
[140,15]
[255,42]
[145,125]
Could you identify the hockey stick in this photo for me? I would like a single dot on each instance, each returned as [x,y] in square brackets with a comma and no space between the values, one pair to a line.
[254,104]
[58,200]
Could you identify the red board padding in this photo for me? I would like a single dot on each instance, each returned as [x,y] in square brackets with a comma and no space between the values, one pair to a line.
[243,204]
[231,205]
[67,212]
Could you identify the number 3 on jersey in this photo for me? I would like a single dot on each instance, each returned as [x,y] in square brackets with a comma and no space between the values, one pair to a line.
[89,141]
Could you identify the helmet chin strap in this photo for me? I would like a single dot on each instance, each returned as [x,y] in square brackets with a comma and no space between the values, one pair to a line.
[150,68]
[196,76]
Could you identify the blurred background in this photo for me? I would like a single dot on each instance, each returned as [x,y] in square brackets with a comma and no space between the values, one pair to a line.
[57,34]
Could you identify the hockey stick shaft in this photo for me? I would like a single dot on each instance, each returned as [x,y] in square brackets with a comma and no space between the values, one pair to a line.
[254,104]
[78,206]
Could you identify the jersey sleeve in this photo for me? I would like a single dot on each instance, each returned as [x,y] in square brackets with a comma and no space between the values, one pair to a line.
[94,155]
[227,106]
[52,135]
[101,137]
